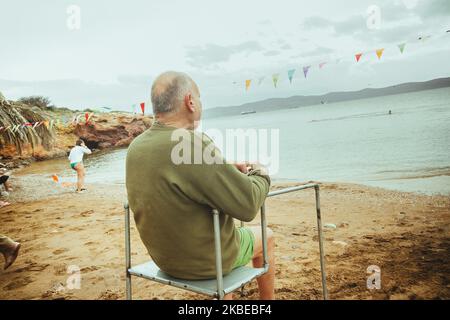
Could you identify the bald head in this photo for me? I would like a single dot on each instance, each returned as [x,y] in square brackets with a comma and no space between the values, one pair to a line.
[169,90]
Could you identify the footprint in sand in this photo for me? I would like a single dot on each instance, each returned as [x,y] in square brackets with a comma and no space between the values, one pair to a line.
[110,295]
[86,213]
[60,269]
[59,251]
[33,266]
[19,283]
[90,268]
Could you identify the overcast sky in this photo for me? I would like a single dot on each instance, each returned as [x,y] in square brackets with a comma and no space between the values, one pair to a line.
[122,45]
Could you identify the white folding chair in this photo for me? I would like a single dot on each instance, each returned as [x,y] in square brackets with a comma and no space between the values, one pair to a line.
[222,285]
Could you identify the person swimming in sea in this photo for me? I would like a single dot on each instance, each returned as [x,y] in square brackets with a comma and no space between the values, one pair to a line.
[76,162]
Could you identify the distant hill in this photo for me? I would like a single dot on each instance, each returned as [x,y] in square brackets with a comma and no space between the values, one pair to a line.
[302,101]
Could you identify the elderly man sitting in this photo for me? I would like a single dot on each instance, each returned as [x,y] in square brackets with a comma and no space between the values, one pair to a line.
[172,201]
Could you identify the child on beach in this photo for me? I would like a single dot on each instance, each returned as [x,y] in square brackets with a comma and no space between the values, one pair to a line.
[76,162]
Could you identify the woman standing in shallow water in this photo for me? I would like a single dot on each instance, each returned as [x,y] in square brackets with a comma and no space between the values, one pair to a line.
[76,162]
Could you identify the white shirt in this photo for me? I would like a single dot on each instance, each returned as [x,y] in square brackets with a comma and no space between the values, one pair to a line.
[77,152]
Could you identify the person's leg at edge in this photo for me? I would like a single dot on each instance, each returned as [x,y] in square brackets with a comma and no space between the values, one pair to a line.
[266,283]
[9,249]
[7,186]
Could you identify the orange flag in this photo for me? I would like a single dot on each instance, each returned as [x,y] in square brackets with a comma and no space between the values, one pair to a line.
[55,178]
[247,84]
[358,56]
[379,53]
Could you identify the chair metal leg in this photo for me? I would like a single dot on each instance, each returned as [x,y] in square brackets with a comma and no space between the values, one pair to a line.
[322,257]
[127,252]
[264,237]
[243,287]
[218,251]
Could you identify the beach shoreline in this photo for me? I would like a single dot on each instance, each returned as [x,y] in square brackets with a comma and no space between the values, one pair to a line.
[405,234]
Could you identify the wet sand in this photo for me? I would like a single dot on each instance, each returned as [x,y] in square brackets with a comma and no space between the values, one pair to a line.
[407,235]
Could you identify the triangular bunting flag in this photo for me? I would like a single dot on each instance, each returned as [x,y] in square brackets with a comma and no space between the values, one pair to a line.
[275,79]
[402,47]
[305,70]
[261,79]
[379,53]
[291,75]
[143,107]
[322,64]
[247,84]
[358,56]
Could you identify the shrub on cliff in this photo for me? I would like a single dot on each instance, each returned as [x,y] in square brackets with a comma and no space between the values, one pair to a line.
[38,101]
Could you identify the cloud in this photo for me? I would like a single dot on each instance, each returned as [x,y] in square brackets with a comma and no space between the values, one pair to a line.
[136,80]
[315,22]
[210,54]
[318,51]
[433,8]
[398,23]
[75,93]
[271,53]
[286,47]
[343,27]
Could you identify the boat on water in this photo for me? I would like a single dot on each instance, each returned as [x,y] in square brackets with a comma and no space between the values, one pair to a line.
[247,112]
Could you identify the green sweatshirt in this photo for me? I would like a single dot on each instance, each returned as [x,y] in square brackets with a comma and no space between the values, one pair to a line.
[172,203]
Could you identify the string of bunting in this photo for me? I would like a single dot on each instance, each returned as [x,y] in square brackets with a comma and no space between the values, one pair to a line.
[77,119]
[307,67]
[49,123]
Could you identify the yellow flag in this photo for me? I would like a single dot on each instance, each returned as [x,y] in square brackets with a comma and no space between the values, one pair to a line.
[247,84]
[380,53]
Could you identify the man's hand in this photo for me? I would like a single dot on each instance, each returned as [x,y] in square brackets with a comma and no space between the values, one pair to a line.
[242,167]
[257,167]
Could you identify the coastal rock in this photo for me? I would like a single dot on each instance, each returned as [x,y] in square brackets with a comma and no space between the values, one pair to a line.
[2,98]
[112,130]
[103,130]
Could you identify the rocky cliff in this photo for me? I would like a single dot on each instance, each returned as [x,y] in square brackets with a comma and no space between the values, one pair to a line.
[21,141]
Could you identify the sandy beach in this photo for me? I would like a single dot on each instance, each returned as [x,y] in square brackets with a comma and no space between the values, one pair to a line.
[407,235]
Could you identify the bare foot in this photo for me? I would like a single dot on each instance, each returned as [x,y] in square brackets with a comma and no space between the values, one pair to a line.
[4,204]
[11,256]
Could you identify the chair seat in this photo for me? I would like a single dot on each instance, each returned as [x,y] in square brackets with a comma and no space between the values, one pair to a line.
[232,281]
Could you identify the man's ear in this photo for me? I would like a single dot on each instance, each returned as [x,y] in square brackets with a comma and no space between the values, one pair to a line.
[189,103]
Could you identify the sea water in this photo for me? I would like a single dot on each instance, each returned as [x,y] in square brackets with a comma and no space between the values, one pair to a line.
[354,141]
